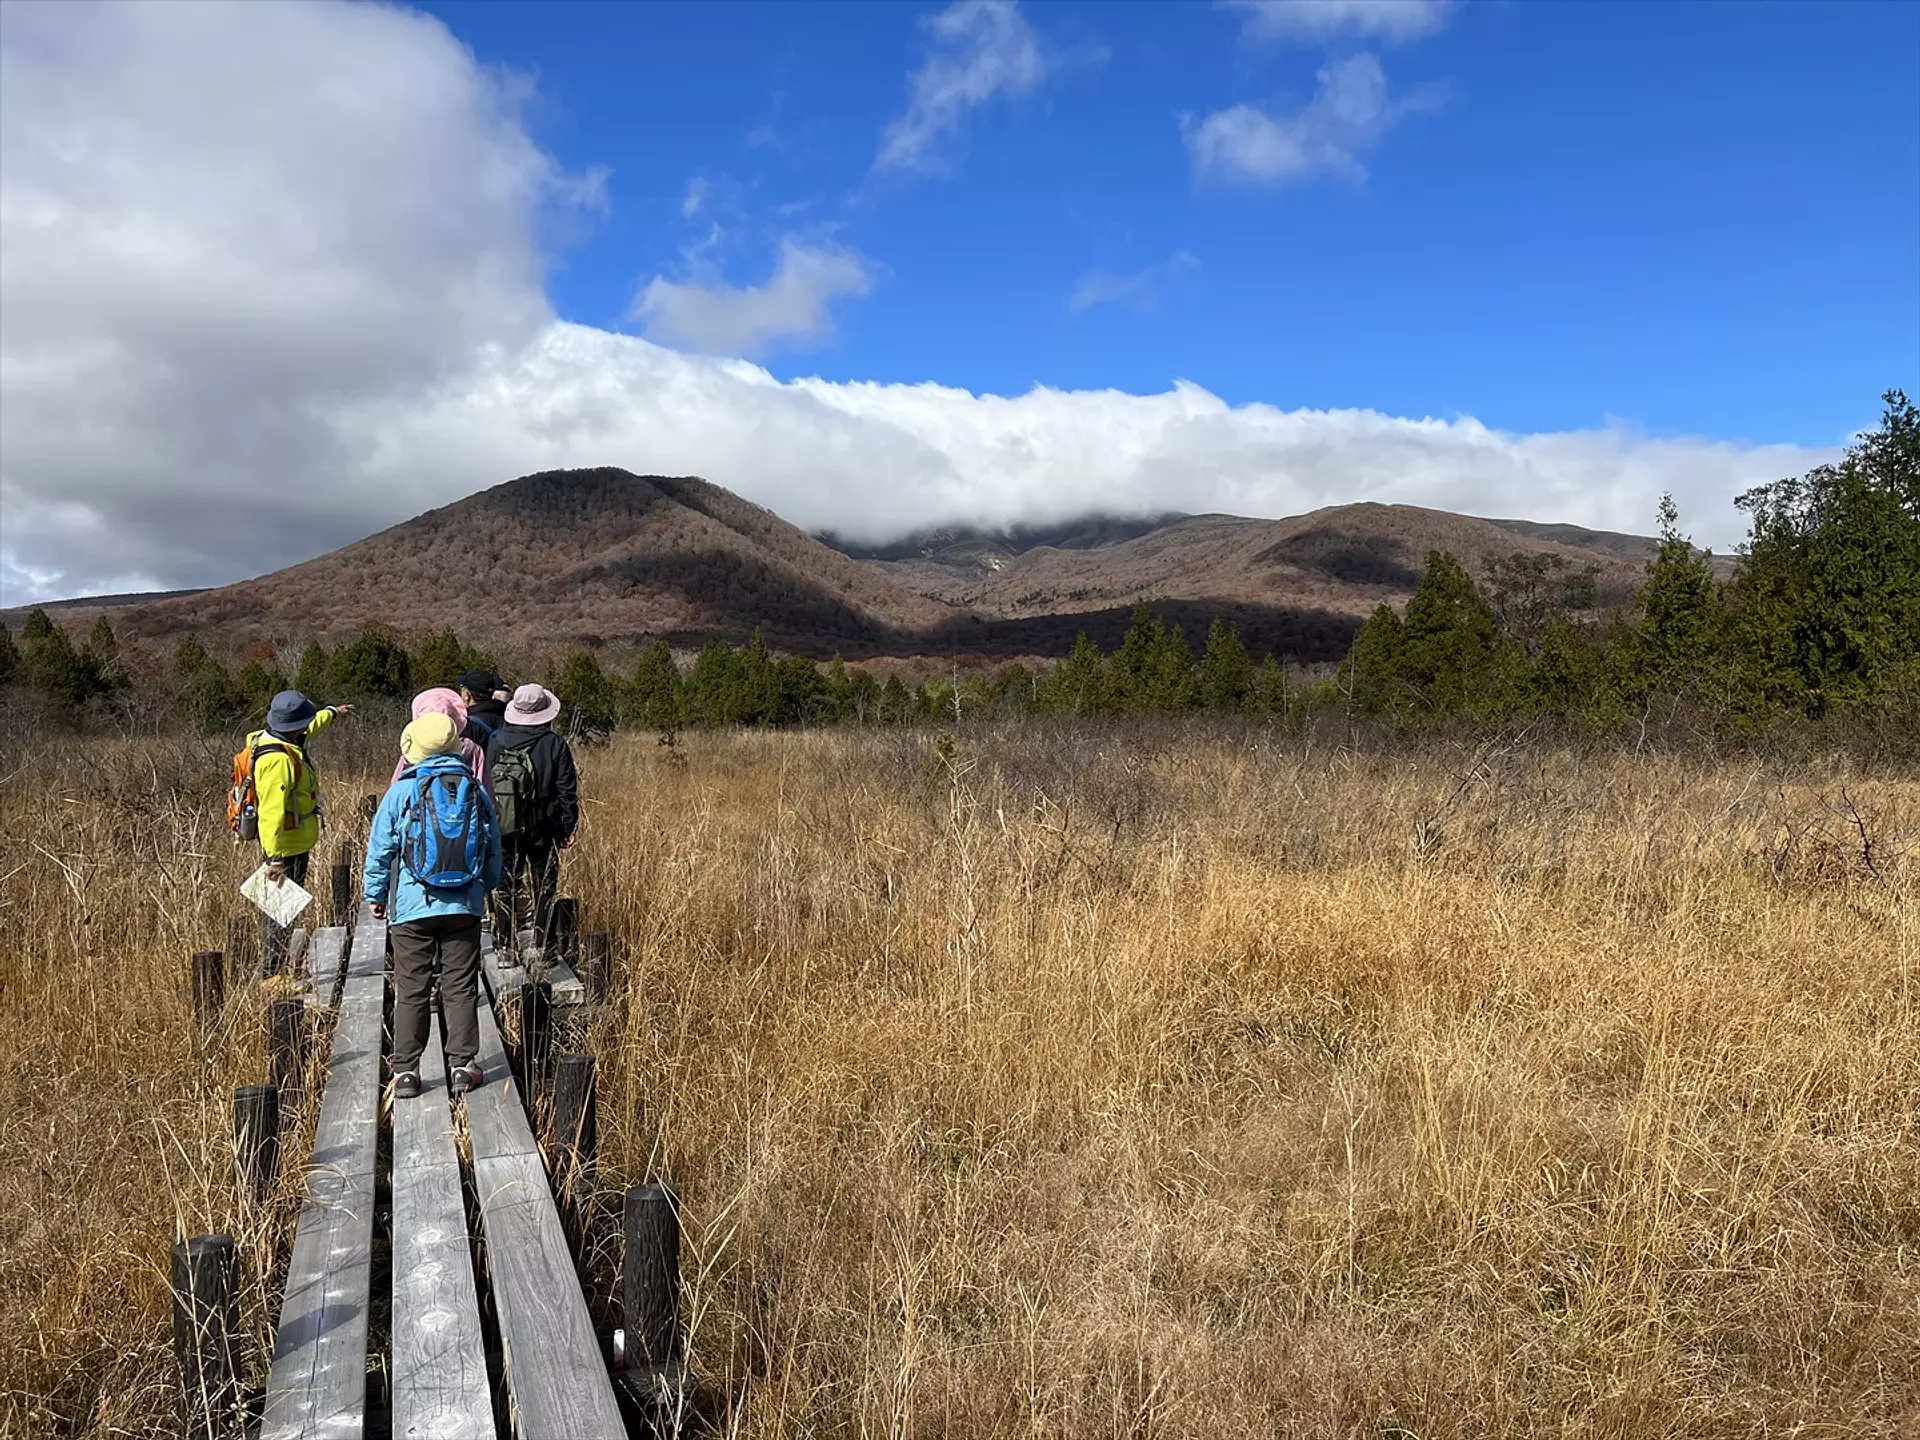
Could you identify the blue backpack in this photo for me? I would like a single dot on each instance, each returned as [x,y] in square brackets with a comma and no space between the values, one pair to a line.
[444,845]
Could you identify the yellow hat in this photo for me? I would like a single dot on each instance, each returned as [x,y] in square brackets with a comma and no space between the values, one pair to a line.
[431,734]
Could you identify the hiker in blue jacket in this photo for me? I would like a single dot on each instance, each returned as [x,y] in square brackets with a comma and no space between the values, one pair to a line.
[432,859]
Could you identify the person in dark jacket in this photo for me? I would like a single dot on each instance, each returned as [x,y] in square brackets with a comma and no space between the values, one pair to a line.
[538,791]
[485,696]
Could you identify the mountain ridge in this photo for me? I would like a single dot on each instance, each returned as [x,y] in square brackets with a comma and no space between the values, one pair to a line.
[605,557]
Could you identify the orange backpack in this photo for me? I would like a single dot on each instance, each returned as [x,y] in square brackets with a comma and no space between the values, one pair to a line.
[243,800]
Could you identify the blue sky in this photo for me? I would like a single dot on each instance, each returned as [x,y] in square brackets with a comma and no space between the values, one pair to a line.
[1703,219]
[281,275]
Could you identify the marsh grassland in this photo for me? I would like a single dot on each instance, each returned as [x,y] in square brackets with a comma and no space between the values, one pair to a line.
[1100,1083]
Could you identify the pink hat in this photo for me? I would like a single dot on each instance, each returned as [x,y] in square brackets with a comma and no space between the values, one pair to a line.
[532,705]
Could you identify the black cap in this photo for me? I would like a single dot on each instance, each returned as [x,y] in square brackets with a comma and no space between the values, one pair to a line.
[481,683]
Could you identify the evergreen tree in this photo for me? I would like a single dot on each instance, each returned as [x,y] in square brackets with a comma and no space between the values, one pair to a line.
[38,626]
[1826,608]
[1267,693]
[101,655]
[53,667]
[1015,692]
[805,696]
[758,684]
[712,692]
[1375,670]
[374,664]
[654,700]
[315,665]
[896,702]
[1675,646]
[9,656]
[863,698]
[589,697]
[258,682]
[1450,639]
[440,659]
[1226,672]
[1130,673]
[210,699]
[1077,685]
[839,690]
[1171,685]
[189,656]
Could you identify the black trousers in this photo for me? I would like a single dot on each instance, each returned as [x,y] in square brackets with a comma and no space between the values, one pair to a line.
[453,940]
[529,879]
[273,938]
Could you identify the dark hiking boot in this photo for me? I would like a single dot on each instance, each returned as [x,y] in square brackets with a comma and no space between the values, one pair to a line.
[466,1077]
[406,1085]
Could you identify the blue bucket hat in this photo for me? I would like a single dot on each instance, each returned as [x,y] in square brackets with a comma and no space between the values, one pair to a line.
[290,713]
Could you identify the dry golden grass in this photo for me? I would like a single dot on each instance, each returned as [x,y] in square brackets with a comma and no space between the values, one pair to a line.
[1077,1085]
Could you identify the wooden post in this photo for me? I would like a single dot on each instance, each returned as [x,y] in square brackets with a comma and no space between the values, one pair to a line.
[256,1140]
[206,1333]
[287,1054]
[650,1277]
[209,988]
[595,964]
[565,938]
[536,1036]
[273,947]
[342,893]
[243,936]
[576,1136]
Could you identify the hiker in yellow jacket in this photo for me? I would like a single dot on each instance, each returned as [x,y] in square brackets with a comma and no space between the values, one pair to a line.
[286,788]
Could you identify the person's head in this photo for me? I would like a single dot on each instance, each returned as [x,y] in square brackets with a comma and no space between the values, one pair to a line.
[289,714]
[430,734]
[479,685]
[441,701]
[532,705]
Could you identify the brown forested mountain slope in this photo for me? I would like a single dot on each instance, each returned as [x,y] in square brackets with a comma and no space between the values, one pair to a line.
[1345,559]
[567,556]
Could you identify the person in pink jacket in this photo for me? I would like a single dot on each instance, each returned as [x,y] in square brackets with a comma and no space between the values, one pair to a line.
[449,704]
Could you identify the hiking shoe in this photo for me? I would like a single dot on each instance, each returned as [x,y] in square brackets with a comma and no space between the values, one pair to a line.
[406,1085]
[466,1077]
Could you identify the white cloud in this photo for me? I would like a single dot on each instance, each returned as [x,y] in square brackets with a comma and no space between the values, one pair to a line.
[1140,290]
[795,304]
[1392,21]
[982,48]
[221,228]
[270,280]
[1348,115]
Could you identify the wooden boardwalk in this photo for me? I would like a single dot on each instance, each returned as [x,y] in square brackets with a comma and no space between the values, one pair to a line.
[551,1379]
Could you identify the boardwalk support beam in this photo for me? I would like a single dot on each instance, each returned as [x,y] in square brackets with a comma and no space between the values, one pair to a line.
[595,969]
[576,1138]
[206,1330]
[650,1280]
[209,988]
[256,1141]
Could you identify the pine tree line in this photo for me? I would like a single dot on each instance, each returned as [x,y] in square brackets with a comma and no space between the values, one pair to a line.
[1820,620]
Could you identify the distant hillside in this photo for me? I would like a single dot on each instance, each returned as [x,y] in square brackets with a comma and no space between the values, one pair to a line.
[570,556]
[604,557]
[1345,559]
[970,547]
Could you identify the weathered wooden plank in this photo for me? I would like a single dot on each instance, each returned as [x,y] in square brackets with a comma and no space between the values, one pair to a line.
[318,1383]
[555,1374]
[325,961]
[496,1120]
[439,1357]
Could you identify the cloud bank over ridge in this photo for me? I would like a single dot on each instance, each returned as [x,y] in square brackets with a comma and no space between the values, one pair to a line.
[272,279]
